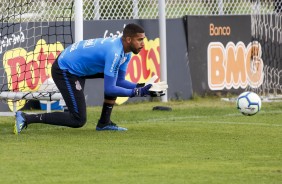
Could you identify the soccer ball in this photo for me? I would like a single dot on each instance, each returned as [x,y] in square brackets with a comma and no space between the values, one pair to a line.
[248,103]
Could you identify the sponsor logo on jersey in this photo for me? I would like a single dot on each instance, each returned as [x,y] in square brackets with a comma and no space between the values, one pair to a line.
[89,43]
[74,46]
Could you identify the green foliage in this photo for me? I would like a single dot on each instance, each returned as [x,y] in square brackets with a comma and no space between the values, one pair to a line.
[200,141]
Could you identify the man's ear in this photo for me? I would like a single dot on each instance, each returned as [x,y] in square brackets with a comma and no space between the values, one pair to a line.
[128,39]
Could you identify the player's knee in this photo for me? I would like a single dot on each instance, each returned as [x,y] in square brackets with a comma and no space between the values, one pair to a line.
[79,121]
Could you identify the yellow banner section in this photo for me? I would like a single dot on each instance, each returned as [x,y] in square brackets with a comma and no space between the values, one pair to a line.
[143,65]
[26,71]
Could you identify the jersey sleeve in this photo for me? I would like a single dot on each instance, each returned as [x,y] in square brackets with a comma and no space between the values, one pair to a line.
[111,64]
[111,89]
[114,74]
[122,82]
[124,65]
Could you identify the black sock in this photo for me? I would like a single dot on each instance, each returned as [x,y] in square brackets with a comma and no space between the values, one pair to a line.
[106,113]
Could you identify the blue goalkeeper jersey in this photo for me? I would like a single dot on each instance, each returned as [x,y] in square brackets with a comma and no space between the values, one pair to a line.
[89,57]
[100,55]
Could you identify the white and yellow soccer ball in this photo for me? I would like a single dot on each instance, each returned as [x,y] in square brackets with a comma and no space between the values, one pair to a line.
[248,103]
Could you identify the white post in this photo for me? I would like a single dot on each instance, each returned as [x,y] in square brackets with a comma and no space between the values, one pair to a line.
[78,11]
[135,9]
[48,106]
[220,7]
[162,31]
[96,10]
[14,106]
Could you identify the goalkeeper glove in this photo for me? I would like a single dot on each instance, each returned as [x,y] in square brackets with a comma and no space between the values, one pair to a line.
[140,92]
[157,93]
[139,85]
[152,80]
[159,86]
[157,89]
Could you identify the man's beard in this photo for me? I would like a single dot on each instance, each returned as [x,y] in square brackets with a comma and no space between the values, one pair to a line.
[134,50]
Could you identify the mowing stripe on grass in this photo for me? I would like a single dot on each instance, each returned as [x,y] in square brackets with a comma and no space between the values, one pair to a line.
[191,119]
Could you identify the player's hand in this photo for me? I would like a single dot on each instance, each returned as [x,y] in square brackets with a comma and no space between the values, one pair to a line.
[159,86]
[140,92]
[155,90]
[158,89]
[152,80]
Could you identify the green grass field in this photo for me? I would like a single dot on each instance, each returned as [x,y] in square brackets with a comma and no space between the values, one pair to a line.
[200,141]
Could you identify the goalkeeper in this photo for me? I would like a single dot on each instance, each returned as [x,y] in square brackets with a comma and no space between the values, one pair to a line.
[95,58]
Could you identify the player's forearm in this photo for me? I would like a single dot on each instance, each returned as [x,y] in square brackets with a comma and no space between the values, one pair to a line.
[118,91]
[126,84]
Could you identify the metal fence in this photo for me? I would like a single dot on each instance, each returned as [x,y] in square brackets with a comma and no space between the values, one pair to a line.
[148,9]
[131,9]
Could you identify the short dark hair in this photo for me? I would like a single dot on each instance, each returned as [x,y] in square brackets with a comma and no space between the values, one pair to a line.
[131,30]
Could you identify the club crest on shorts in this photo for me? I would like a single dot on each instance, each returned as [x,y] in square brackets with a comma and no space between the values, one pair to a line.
[77,85]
